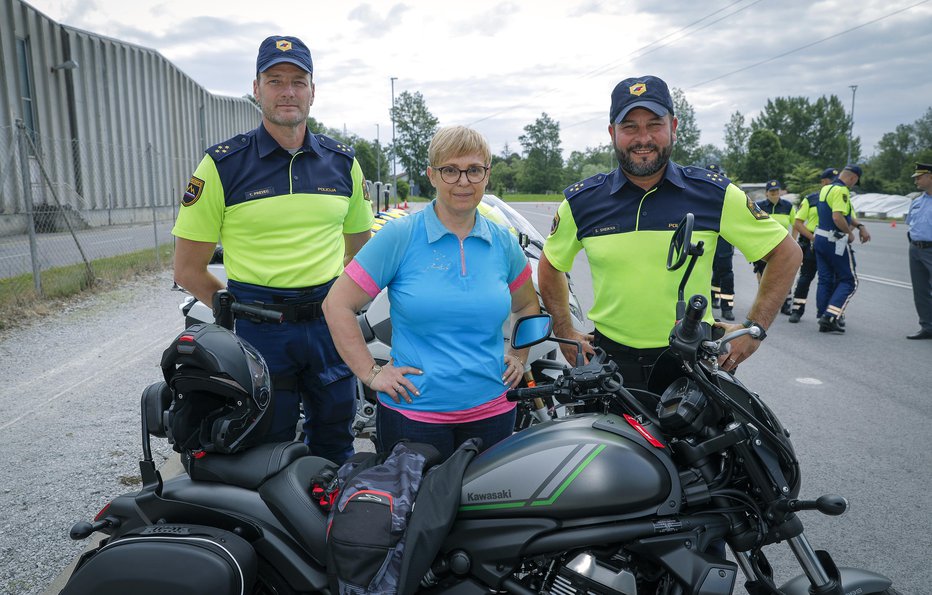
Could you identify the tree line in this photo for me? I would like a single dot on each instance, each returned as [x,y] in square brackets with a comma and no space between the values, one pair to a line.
[792,139]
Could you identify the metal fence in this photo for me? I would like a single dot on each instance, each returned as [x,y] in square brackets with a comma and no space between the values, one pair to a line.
[73,215]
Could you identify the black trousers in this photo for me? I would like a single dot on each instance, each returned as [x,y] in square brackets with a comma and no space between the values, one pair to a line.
[634,364]
[807,273]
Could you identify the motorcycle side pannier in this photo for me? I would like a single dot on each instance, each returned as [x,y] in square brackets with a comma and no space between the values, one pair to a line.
[176,559]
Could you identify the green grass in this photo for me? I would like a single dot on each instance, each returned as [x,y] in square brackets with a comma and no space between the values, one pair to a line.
[19,299]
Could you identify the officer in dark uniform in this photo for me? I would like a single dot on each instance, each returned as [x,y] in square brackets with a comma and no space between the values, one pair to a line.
[289,207]
[919,220]
[834,257]
[807,218]
[624,220]
[723,272]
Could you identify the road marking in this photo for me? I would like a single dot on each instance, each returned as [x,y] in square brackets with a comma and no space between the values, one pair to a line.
[882,281]
[810,381]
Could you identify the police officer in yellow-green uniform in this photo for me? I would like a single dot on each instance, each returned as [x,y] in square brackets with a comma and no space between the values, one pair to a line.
[290,209]
[834,235]
[807,218]
[624,221]
[723,271]
[782,211]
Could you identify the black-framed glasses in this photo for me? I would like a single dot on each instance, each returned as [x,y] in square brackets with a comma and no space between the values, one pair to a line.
[474,173]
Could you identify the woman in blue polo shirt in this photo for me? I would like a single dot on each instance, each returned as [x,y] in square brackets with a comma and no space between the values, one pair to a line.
[453,278]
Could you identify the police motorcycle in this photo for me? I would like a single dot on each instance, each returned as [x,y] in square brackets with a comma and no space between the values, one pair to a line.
[630,503]
[544,361]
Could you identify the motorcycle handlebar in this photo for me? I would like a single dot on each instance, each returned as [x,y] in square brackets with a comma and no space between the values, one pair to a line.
[695,310]
[526,394]
[257,312]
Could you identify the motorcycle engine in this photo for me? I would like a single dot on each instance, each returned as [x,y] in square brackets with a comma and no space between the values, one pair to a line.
[586,575]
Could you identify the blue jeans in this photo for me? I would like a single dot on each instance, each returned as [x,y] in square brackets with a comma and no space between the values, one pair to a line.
[301,355]
[392,426]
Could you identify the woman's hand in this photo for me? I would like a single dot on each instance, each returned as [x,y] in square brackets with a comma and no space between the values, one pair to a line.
[514,370]
[392,381]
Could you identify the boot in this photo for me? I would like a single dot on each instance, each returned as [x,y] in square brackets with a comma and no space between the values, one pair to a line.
[786,308]
[795,316]
[728,314]
[716,303]
[829,324]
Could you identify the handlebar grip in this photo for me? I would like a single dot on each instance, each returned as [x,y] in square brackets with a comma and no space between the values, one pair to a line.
[257,312]
[525,394]
[695,310]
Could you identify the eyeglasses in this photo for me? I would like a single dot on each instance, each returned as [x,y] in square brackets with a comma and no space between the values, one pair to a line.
[474,173]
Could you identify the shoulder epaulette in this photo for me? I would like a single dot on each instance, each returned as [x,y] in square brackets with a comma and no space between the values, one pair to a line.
[336,146]
[698,173]
[590,182]
[228,147]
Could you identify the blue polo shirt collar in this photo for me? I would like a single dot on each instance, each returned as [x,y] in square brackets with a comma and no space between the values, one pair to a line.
[436,229]
[673,174]
[267,145]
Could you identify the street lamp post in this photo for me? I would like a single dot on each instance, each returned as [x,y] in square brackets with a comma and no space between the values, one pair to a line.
[378,154]
[854,89]
[394,168]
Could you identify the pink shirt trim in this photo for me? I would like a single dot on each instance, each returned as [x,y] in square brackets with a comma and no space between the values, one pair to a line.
[486,410]
[519,281]
[358,274]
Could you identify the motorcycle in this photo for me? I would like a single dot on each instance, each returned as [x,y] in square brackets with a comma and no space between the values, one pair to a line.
[634,500]
[544,361]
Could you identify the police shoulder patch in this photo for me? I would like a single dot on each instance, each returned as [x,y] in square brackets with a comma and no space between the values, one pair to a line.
[192,192]
[336,146]
[698,173]
[228,147]
[590,182]
[755,209]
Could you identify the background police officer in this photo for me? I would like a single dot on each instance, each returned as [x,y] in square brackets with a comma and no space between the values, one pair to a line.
[289,208]
[834,257]
[624,220]
[723,271]
[920,250]
[807,218]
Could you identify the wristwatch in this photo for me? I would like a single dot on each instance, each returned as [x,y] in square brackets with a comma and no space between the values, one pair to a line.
[763,333]
[376,368]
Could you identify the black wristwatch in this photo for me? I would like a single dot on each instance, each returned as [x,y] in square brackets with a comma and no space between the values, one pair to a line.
[763,333]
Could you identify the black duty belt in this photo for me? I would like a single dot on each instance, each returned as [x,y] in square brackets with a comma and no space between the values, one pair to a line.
[611,346]
[920,244]
[301,312]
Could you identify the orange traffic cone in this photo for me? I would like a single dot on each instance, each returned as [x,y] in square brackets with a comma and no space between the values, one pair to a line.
[406,204]
[893,223]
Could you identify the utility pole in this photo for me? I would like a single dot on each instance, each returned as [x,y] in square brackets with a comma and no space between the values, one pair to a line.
[394,168]
[854,89]
[378,154]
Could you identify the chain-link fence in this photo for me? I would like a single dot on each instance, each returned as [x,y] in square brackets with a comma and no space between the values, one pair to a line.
[76,215]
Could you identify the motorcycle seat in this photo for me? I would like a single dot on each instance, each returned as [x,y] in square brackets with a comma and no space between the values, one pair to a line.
[288,497]
[248,469]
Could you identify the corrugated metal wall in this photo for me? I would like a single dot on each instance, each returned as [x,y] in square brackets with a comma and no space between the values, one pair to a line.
[121,131]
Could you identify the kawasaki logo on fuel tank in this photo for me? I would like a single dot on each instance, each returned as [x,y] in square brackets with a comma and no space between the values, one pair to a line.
[499,495]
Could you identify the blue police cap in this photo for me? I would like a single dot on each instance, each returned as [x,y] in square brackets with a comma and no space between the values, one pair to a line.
[922,168]
[829,173]
[279,48]
[648,92]
[856,170]
[773,185]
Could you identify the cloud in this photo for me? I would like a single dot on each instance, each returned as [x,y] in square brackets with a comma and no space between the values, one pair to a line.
[376,25]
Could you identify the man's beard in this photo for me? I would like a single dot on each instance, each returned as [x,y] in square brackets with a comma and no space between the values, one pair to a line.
[636,167]
[280,120]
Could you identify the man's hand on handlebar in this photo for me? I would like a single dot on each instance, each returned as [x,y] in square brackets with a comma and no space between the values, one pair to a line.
[569,351]
[738,349]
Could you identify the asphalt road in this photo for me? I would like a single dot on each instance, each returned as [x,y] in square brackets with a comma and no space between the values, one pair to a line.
[857,406]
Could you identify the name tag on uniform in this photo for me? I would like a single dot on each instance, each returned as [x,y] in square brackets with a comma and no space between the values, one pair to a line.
[262,192]
[605,230]
[326,190]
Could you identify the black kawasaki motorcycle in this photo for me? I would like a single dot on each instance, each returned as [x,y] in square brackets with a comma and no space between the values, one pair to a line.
[639,499]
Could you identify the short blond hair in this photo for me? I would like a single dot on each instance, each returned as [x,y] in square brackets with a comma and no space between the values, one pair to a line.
[451,142]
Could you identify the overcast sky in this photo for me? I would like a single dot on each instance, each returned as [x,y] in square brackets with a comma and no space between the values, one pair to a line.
[497,65]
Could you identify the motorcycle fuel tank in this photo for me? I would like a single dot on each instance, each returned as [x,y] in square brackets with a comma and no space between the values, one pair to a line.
[587,465]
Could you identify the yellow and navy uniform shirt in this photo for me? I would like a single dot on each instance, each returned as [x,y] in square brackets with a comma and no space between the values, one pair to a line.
[834,197]
[808,211]
[626,234]
[783,211]
[280,216]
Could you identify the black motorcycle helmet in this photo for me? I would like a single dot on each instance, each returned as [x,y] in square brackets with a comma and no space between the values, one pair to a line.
[221,391]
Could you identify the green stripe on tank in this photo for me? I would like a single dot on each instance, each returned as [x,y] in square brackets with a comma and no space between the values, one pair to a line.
[546,502]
